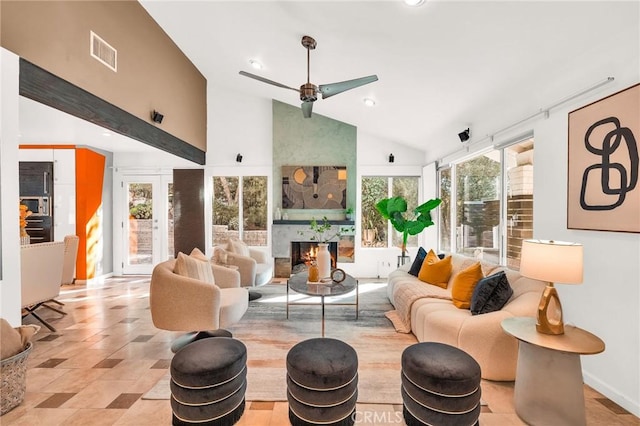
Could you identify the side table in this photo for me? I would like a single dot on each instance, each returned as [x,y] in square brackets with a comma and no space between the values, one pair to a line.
[549,387]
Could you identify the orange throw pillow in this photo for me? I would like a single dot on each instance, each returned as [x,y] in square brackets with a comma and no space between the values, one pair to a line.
[463,284]
[435,271]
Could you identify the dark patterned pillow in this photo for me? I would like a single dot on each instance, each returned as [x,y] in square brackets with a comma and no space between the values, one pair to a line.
[491,294]
[417,262]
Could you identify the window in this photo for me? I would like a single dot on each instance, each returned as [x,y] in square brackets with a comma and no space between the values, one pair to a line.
[493,210]
[240,197]
[376,231]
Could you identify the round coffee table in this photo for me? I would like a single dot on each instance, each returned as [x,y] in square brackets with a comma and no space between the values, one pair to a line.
[299,284]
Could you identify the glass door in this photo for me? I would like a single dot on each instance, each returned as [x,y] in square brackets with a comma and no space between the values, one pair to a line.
[148,234]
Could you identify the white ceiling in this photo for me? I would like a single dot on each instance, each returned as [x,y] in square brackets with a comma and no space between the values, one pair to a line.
[442,67]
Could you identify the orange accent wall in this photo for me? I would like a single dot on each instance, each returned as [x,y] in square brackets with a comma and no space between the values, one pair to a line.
[89,181]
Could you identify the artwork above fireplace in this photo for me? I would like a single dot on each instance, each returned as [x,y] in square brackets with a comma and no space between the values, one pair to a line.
[314,187]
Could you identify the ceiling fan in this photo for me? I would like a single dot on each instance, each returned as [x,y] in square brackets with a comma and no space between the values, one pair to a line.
[308,91]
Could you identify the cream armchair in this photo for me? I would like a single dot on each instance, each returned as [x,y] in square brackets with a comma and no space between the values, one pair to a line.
[40,276]
[180,303]
[254,266]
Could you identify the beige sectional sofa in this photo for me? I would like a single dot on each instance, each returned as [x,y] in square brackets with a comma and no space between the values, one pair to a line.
[430,314]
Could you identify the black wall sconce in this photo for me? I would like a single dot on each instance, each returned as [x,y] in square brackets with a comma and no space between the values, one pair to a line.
[239,158]
[464,135]
[391,158]
[156,117]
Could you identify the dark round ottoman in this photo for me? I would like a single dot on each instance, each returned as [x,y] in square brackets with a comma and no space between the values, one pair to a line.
[208,382]
[440,385]
[322,383]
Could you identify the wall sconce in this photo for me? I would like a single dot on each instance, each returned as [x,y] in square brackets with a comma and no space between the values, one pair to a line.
[391,158]
[464,135]
[239,158]
[156,117]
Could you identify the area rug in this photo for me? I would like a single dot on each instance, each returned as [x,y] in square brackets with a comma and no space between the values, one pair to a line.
[269,335]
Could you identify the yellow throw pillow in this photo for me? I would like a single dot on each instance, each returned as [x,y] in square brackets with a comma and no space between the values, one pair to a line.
[435,271]
[191,267]
[463,285]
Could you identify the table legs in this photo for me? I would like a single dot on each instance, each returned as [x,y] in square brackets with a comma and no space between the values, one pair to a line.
[549,387]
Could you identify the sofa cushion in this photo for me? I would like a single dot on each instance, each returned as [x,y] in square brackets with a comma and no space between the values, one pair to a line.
[463,284]
[192,267]
[435,271]
[238,247]
[417,262]
[491,294]
[198,254]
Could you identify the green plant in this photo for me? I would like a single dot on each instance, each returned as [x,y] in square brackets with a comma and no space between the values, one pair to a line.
[393,209]
[142,211]
[349,210]
[321,232]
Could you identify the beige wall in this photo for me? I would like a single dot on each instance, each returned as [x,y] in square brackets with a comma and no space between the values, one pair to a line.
[153,73]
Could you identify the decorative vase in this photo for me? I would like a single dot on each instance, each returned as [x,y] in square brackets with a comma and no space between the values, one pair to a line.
[324,260]
[314,274]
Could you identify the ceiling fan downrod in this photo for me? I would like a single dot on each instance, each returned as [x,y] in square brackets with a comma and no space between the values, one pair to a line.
[308,91]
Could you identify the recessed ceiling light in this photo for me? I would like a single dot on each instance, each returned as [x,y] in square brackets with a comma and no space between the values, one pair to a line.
[255,64]
[414,2]
[369,102]
[106,133]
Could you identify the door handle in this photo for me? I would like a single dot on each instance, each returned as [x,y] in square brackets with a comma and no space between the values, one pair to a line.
[44,180]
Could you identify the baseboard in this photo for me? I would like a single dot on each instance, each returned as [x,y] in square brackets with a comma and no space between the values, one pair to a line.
[622,400]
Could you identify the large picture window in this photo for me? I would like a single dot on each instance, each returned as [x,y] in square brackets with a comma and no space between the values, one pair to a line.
[488,199]
[377,231]
[240,208]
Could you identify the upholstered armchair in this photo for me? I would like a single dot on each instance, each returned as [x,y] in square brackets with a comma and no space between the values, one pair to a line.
[40,277]
[184,303]
[254,266]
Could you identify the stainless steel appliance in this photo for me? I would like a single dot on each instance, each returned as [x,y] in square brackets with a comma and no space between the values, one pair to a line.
[39,206]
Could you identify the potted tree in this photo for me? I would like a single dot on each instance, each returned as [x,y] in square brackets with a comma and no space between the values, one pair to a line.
[394,209]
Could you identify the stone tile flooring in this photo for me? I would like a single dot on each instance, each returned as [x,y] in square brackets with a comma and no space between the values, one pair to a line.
[106,354]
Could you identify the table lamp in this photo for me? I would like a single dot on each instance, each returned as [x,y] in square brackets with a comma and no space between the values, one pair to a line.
[551,261]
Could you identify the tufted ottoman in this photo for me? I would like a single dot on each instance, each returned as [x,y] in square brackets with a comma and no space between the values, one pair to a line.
[208,382]
[440,385]
[322,382]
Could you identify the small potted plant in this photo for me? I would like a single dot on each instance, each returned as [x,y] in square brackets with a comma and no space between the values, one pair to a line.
[348,213]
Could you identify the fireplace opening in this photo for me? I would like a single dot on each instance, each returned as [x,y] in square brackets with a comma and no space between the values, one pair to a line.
[303,252]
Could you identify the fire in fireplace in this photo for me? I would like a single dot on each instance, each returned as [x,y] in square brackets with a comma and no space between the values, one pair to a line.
[303,252]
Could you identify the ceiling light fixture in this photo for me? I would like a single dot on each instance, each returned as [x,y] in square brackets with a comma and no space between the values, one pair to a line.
[414,3]
[255,64]
[369,102]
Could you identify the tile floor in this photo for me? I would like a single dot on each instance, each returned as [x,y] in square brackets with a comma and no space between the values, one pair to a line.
[106,354]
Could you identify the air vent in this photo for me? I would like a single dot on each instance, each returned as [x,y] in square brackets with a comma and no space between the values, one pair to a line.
[103,52]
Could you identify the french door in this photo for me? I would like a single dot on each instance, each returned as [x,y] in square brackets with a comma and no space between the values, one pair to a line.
[147,222]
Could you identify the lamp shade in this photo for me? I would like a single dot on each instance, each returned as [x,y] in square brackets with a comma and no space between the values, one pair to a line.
[552,261]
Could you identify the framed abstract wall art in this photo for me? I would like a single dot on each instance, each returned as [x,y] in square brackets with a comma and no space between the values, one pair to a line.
[603,190]
[314,187]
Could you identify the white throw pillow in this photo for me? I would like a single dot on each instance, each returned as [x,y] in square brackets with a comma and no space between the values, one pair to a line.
[239,247]
[192,267]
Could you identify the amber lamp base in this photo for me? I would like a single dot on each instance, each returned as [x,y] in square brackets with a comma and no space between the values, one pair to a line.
[549,319]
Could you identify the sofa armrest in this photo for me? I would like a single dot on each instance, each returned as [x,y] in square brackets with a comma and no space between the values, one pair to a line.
[225,277]
[258,255]
[246,266]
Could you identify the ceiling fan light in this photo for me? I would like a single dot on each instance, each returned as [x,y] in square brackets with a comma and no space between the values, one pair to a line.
[255,64]
[369,102]
[414,3]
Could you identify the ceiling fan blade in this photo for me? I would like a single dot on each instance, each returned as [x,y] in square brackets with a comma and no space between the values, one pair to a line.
[331,89]
[266,80]
[306,109]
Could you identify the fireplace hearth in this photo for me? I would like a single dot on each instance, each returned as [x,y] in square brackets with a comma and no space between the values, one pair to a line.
[303,252]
